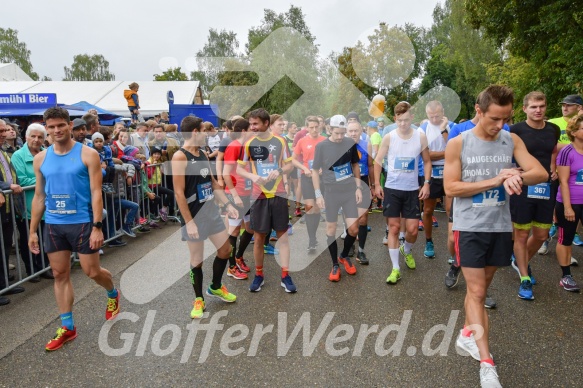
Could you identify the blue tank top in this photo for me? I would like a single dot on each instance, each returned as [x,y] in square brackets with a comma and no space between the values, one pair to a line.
[67,188]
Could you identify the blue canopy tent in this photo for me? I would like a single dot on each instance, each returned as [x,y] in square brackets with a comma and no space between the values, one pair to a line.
[74,111]
[105,117]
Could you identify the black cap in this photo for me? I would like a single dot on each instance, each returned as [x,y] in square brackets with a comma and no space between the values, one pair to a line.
[155,149]
[78,123]
[573,99]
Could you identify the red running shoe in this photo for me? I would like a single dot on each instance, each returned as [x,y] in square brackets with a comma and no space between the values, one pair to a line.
[242,266]
[63,335]
[112,307]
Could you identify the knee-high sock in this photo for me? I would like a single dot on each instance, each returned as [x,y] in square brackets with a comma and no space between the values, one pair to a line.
[362,233]
[196,280]
[312,222]
[348,242]
[244,241]
[333,248]
[219,266]
[233,241]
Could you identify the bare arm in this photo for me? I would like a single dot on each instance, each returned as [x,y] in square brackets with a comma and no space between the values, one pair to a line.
[178,179]
[554,175]
[38,201]
[91,160]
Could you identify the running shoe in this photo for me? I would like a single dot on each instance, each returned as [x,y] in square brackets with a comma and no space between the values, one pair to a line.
[401,241]
[334,274]
[577,240]
[394,277]
[144,229]
[525,290]
[303,220]
[451,260]
[409,260]
[322,219]
[258,282]
[385,240]
[468,345]
[163,213]
[488,376]
[273,236]
[118,242]
[298,212]
[348,266]
[544,249]
[236,273]
[489,303]
[143,221]
[569,284]
[270,250]
[290,229]
[311,248]
[112,307]
[198,308]
[435,223]
[127,230]
[241,265]
[288,285]
[420,225]
[515,266]
[439,208]
[222,293]
[63,335]
[429,250]
[361,258]
[574,262]
[452,276]
[343,235]
[553,231]
[153,224]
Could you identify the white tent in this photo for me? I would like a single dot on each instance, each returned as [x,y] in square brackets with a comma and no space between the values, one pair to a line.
[11,72]
[109,94]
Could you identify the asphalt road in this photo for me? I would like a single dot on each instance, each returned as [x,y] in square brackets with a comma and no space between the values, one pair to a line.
[358,332]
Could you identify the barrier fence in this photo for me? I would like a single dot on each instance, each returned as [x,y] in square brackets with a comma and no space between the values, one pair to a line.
[127,205]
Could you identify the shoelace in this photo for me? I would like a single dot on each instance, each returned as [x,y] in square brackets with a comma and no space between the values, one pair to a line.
[489,373]
[111,304]
[198,304]
[60,333]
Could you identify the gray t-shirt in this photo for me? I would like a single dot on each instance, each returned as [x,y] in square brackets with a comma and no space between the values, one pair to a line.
[488,211]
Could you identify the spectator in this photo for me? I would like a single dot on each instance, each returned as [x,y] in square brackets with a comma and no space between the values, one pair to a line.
[164,118]
[168,145]
[92,122]
[13,141]
[140,139]
[22,161]
[120,141]
[155,172]
[118,127]
[80,132]
[172,133]
[131,96]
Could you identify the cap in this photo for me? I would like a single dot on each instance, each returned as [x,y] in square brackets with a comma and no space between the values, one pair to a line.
[78,123]
[155,150]
[338,121]
[353,115]
[381,119]
[372,124]
[573,99]
[97,135]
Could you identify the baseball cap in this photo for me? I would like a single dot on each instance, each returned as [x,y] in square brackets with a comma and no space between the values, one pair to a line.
[573,99]
[372,124]
[78,123]
[381,119]
[338,121]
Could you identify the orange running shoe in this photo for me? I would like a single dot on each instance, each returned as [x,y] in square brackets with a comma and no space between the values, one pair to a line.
[348,266]
[334,274]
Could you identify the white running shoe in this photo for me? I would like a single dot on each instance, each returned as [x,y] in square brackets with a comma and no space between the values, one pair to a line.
[468,345]
[544,249]
[489,376]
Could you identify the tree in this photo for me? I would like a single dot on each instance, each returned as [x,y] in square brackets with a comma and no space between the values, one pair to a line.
[172,74]
[220,44]
[546,33]
[88,68]
[14,51]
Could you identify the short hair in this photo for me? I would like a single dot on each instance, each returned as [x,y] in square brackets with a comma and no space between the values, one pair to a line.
[36,127]
[536,96]
[116,137]
[402,108]
[313,119]
[90,119]
[119,123]
[274,117]
[228,124]
[150,123]
[241,125]
[573,126]
[433,106]
[190,123]
[56,113]
[495,94]
[105,131]
[354,123]
[133,85]
[207,126]
[170,128]
[260,114]
[142,124]
[292,123]
[159,126]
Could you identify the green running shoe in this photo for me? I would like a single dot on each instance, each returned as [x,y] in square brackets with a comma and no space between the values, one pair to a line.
[394,277]
[222,294]
[409,260]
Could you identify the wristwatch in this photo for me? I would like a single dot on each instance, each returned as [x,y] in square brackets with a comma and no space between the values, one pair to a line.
[280,171]
[427,182]
[444,131]
[98,224]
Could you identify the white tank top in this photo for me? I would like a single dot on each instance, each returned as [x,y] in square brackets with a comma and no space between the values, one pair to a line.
[403,162]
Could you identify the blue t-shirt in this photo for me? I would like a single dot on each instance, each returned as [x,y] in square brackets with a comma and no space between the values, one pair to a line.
[466,126]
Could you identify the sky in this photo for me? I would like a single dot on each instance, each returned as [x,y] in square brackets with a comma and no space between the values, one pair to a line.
[136,37]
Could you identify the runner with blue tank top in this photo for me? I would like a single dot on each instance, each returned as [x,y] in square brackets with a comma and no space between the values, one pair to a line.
[68,187]
[479,175]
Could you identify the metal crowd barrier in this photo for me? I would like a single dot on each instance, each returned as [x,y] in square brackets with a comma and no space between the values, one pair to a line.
[111,205]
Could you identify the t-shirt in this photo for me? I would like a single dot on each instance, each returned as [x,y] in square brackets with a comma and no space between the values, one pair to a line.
[540,143]
[214,141]
[335,160]
[224,143]
[376,139]
[569,156]
[263,156]
[435,141]
[232,155]
[300,135]
[562,123]
[306,148]
[465,126]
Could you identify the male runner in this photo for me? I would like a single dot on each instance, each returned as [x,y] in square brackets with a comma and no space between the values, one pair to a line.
[403,148]
[479,175]
[302,159]
[195,188]
[532,210]
[338,159]
[68,187]
[269,159]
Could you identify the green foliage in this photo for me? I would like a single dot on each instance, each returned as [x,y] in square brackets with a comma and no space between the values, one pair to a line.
[14,51]
[88,68]
[172,74]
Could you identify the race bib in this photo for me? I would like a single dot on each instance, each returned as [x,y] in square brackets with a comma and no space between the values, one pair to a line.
[437,172]
[342,172]
[404,164]
[579,179]
[248,184]
[263,169]
[205,192]
[492,197]
[62,203]
[540,191]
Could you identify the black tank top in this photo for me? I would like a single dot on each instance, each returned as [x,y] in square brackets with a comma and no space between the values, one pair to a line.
[198,186]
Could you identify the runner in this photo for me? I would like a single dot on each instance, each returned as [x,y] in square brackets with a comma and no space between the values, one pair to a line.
[239,192]
[569,208]
[337,158]
[302,159]
[436,129]
[364,150]
[479,175]
[195,188]
[403,148]
[532,210]
[269,159]
[68,186]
